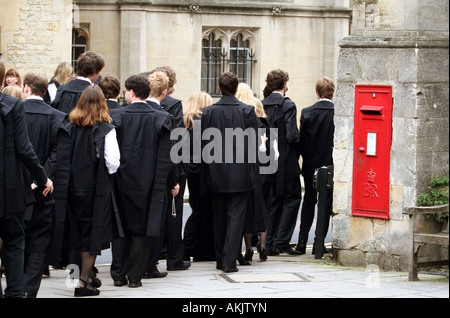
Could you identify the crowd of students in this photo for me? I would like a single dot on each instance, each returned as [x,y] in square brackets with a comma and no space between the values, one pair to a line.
[92,174]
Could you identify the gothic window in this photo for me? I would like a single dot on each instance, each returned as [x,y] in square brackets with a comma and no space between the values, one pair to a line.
[226,50]
[79,45]
[211,64]
[240,58]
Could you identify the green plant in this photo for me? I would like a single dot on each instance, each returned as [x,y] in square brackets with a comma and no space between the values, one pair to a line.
[437,194]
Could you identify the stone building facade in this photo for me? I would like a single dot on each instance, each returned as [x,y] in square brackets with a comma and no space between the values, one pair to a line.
[401,45]
[398,44]
[134,36]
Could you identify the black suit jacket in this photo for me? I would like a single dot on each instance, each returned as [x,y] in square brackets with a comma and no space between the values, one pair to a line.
[317,135]
[225,176]
[282,114]
[15,148]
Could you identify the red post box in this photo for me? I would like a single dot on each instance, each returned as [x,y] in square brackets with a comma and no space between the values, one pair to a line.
[371,151]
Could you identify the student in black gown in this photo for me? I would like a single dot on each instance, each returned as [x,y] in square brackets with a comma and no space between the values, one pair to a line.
[95,156]
[140,184]
[14,135]
[198,235]
[46,126]
[229,179]
[88,68]
[257,216]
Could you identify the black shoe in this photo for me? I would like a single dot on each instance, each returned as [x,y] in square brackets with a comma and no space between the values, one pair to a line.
[155,274]
[85,291]
[230,269]
[180,266]
[242,261]
[262,253]
[273,252]
[324,250]
[248,255]
[95,282]
[289,250]
[301,247]
[134,285]
[120,283]
[46,271]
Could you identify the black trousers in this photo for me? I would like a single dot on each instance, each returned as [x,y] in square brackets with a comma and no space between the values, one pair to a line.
[229,217]
[13,236]
[283,212]
[130,257]
[309,206]
[38,234]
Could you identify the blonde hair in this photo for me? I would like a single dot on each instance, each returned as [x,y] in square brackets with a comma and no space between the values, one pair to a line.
[259,108]
[159,81]
[170,72]
[63,72]
[194,107]
[245,94]
[91,108]
[14,91]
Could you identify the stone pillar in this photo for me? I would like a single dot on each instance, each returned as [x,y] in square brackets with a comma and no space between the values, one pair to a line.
[133,40]
[403,44]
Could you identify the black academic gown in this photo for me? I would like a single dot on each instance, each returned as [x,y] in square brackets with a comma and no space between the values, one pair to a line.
[112,104]
[282,114]
[68,94]
[44,124]
[144,140]
[15,148]
[89,191]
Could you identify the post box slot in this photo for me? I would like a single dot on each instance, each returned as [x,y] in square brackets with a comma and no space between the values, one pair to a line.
[371,110]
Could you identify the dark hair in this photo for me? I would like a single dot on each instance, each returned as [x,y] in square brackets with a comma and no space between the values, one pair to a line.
[139,84]
[110,86]
[89,63]
[228,83]
[276,80]
[37,82]
[266,91]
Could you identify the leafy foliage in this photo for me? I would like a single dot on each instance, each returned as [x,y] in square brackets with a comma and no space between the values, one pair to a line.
[436,195]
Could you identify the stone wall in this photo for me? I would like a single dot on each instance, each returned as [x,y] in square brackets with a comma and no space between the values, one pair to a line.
[35,35]
[409,52]
[298,36]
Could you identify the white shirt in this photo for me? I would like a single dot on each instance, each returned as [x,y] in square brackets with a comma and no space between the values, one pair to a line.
[52,91]
[112,152]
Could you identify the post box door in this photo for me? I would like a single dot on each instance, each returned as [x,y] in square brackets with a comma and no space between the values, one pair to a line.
[371,151]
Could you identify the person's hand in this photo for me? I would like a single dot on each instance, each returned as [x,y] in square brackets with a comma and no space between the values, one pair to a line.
[48,187]
[175,190]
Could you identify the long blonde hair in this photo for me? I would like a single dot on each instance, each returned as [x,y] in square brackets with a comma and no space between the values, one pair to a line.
[63,72]
[91,108]
[245,94]
[194,107]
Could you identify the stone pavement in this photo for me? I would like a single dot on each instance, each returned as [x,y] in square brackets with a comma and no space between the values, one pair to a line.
[280,277]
